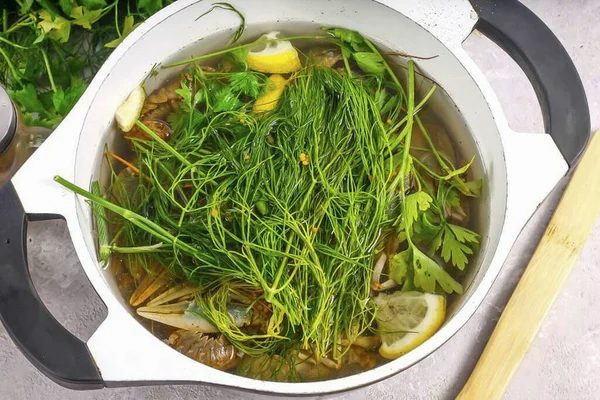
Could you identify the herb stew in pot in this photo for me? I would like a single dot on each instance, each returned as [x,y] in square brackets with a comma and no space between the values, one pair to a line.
[289,212]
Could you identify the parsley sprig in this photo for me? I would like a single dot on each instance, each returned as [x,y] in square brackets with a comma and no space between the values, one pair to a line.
[50,50]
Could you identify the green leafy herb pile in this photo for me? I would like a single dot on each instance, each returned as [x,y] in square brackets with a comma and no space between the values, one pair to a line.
[294,202]
[50,50]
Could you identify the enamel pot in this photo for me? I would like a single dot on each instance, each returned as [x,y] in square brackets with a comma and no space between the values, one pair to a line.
[520,168]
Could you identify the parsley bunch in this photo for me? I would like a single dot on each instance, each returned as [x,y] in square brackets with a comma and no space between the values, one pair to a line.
[50,50]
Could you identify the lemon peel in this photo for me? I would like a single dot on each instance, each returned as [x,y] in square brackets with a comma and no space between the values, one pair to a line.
[407,319]
[129,111]
[275,57]
[268,101]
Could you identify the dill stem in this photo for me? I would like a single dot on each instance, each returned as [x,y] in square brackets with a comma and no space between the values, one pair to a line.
[101,227]
[132,217]
[164,144]
[242,46]
[135,250]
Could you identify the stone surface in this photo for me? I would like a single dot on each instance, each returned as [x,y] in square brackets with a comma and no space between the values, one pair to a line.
[563,361]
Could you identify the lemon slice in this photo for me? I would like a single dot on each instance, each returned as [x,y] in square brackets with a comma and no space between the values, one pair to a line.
[130,110]
[275,57]
[269,100]
[405,320]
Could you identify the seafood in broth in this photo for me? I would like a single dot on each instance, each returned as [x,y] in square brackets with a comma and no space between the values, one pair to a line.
[315,236]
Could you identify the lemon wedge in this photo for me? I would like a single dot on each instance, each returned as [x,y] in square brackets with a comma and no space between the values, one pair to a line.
[129,112]
[269,100]
[406,319]
[275,57]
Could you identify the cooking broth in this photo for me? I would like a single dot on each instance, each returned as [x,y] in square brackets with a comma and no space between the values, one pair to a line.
[250,259]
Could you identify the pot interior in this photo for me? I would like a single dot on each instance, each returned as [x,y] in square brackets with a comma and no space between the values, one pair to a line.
[458,102]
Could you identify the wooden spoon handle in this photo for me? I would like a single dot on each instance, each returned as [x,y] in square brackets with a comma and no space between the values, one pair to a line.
[544,276]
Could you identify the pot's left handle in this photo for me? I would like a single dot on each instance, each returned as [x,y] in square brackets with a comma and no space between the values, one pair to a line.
[43,340]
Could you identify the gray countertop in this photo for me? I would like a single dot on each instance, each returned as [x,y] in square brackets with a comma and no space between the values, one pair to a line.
[564,360]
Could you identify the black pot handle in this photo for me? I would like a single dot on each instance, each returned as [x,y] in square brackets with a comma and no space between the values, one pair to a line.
[47,344]
[533,46]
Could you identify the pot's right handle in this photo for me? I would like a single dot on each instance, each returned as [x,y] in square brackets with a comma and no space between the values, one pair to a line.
[534,47]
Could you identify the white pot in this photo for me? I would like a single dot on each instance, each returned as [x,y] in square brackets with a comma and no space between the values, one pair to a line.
[520,169]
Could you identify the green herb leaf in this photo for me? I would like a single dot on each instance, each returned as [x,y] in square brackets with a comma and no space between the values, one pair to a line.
[246,83]
[49,7]
[150,6]
[474,187]
[93,4]
[346,51]
[399,265]
[24,6]
[84,17]
[58,98]
[463,234]
[72,94]
[371,63]
[419,201]
[39,39]
[346,35]
[27,99]
[457,244]
[428,272]
[427,228]
[185,92]
[226,100]
[66,6]
[128,27]
[459,171]
[454,251]
[57,28]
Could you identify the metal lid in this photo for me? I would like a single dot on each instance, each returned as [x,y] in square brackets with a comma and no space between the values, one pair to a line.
[8,121]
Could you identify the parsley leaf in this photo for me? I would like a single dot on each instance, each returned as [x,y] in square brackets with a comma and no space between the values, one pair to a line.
[454,250]
[66,6]
[226,100]
[346,35]
[240,54]
[474,187]
[428,273]
[457,244]
[49,7]
[128,27]
[150,6]
[71,95]
[399,265]
[371,63]
[57,28]
[27,99]
[25,6]
[419,201]
[463,234]
[246,83]
[93,4]
[84,17]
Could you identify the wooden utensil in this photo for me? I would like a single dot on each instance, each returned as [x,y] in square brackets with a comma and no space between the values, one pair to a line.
[544,276]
